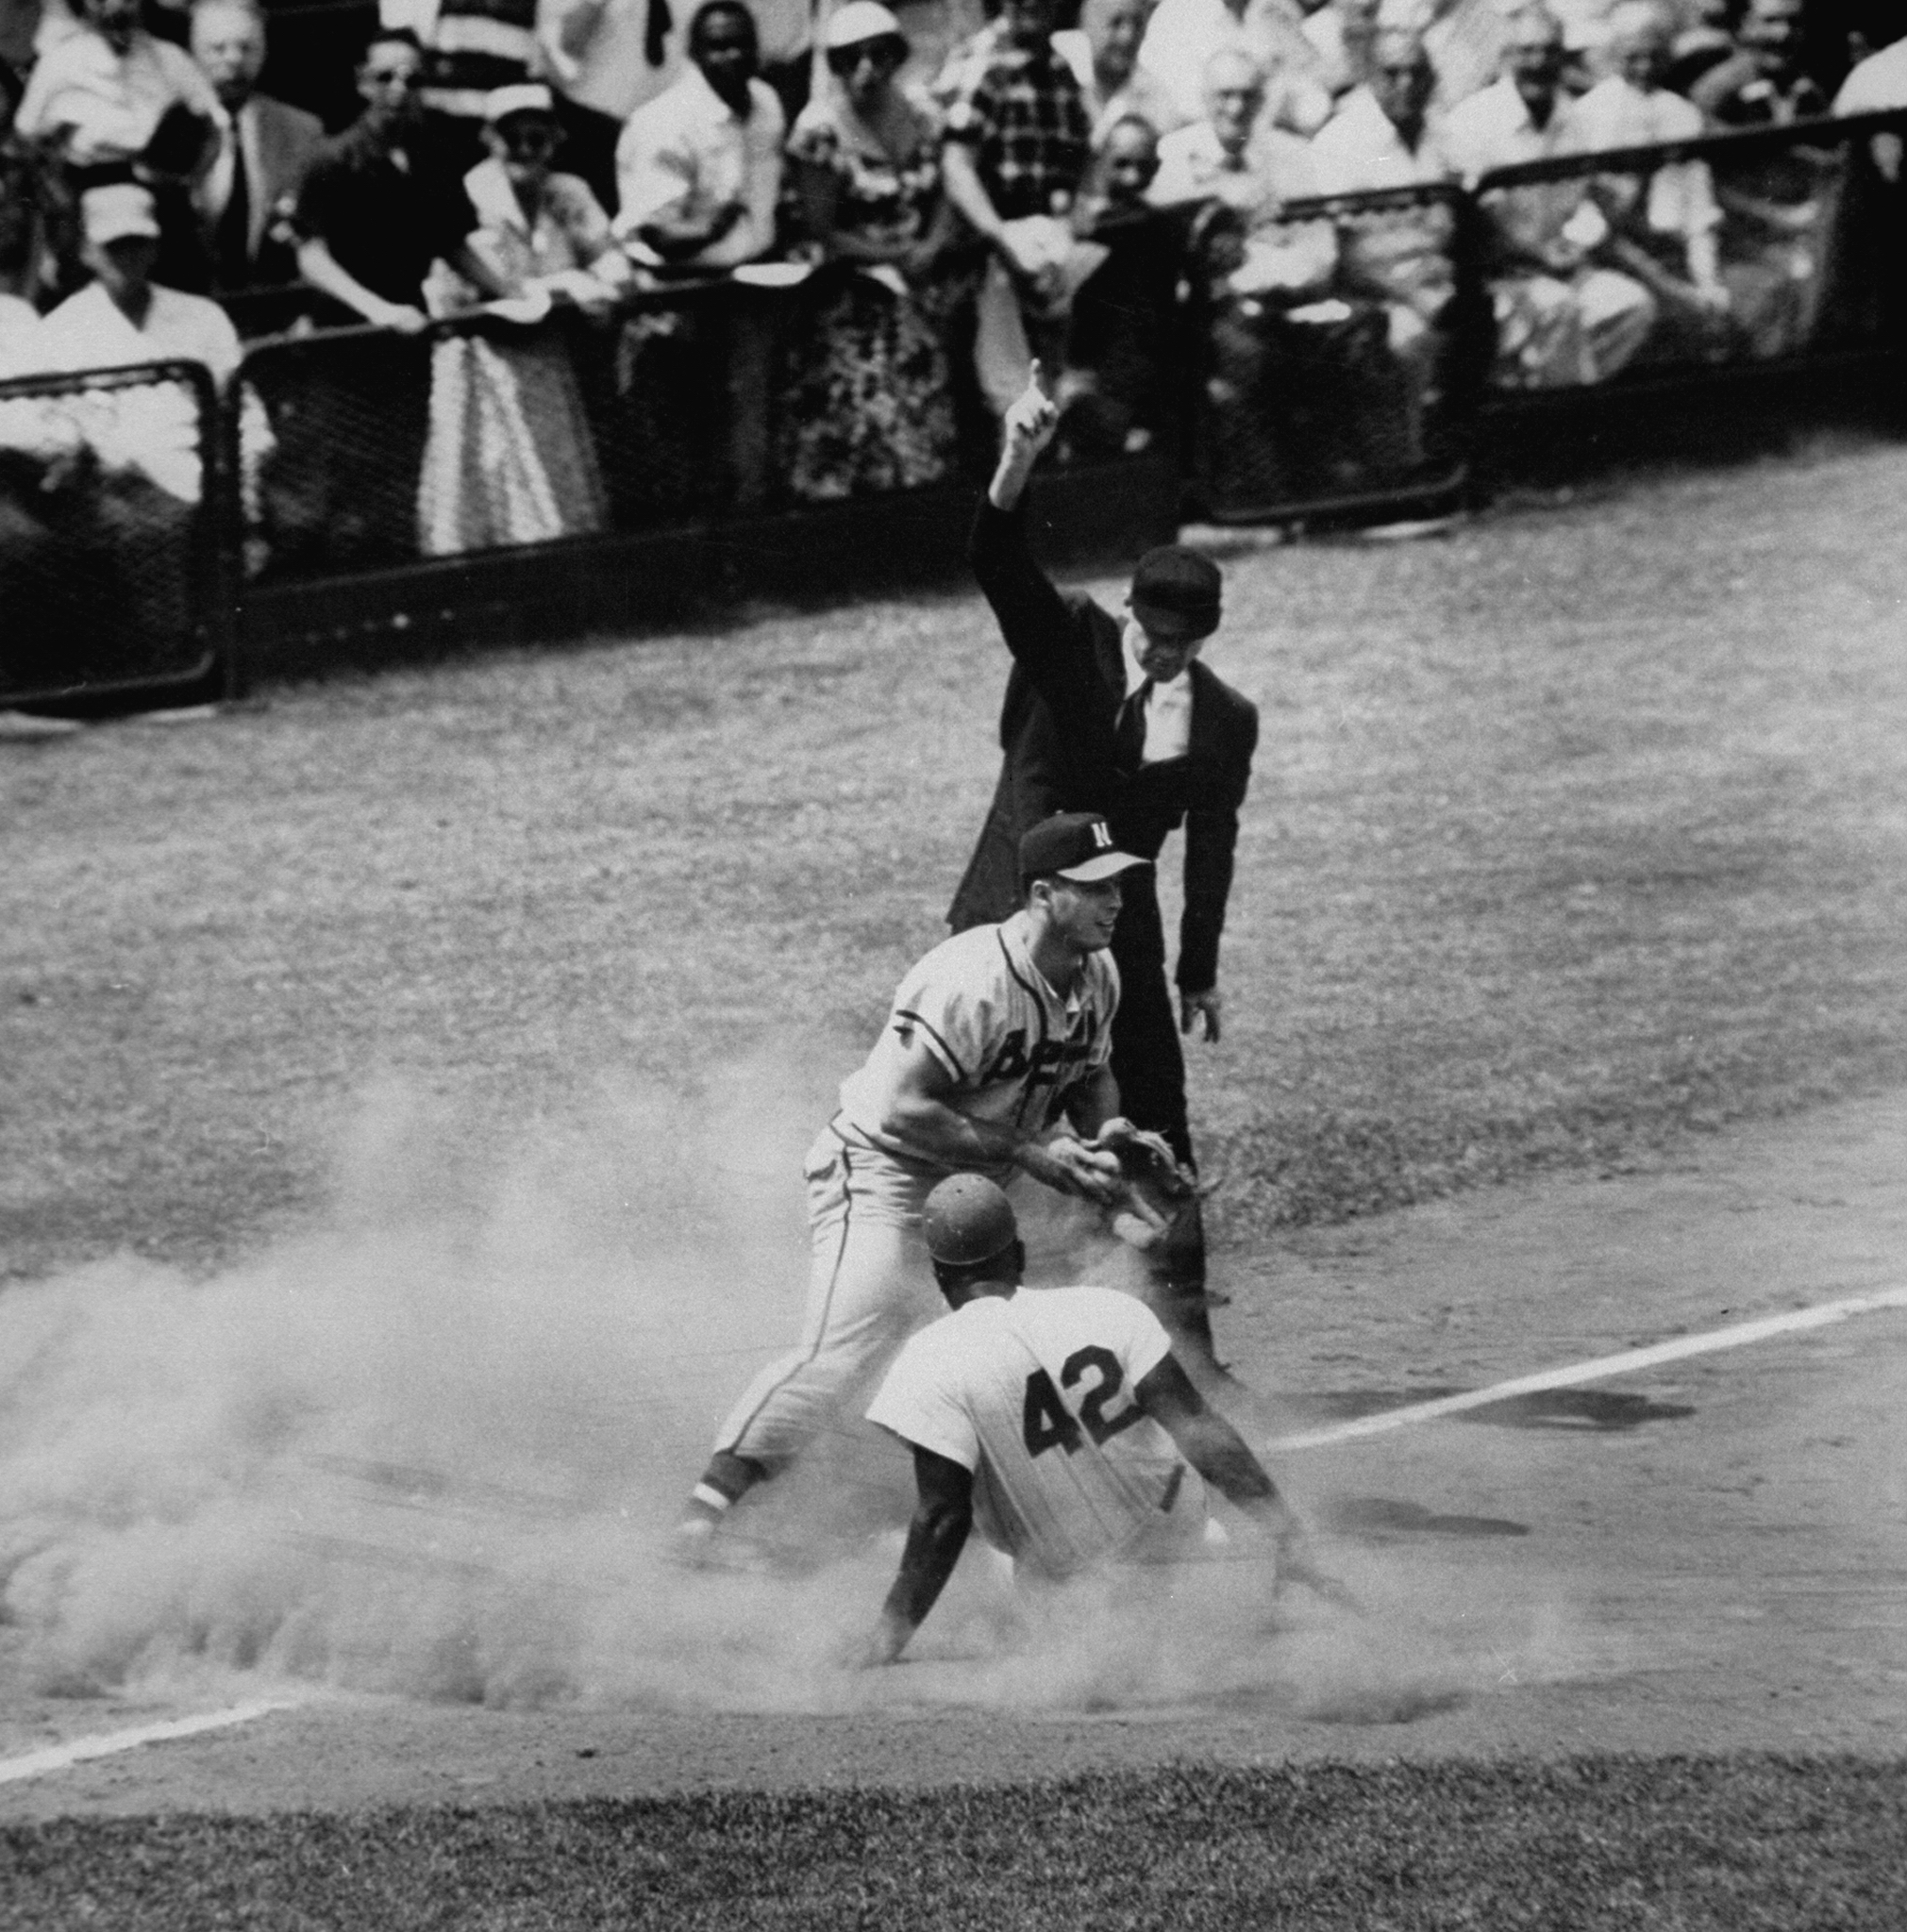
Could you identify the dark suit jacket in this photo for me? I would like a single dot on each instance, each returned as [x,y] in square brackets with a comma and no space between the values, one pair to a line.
[1055,733]
[288,143]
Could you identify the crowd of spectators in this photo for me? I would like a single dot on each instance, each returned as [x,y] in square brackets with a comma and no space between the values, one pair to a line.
[1040,190]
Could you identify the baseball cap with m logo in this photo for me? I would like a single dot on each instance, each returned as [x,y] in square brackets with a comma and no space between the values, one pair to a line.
[1076,845]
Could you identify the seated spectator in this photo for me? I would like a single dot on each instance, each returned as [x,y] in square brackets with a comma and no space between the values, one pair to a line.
[1381,138]
[137,523]
[1103,53]
[699,168]
[1236,155]
[1185,34]
[246,195]
[699,172]
[605,58]
[1778,208]
[511,457]
[1116,393]
[122,316]
[111,103]
[1018,145]
[1663,222]
[1563,316]
[870,408]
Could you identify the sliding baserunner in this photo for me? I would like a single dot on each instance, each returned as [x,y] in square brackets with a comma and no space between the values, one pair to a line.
[998,1036]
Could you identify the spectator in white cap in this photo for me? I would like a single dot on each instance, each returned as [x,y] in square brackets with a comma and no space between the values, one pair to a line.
[147,439]
[872,409]
[122,317]
[510,457]
[537,229]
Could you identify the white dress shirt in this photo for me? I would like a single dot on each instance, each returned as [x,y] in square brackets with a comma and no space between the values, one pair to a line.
[1168,713]
[687,155]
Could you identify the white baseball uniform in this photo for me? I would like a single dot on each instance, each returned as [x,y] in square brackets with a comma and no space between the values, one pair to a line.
[1033,1393]
[1015,1050]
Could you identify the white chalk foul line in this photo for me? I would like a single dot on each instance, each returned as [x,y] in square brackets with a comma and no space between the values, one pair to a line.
[62,1757]
[1739,1335]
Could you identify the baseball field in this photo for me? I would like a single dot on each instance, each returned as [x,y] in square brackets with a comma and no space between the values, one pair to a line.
[405,1084]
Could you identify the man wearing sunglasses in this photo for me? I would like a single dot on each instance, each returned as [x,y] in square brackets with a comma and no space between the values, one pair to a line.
[378,207]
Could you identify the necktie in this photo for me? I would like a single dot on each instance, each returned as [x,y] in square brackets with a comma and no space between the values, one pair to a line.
[232,236]
[1129,731]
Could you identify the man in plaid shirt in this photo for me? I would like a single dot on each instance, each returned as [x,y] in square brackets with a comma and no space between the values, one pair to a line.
[1018,142]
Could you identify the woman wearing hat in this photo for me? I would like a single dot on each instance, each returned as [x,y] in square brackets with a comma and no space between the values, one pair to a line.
[872,409]
[510,458]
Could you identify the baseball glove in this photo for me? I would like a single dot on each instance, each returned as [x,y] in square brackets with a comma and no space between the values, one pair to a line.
[1154,1187]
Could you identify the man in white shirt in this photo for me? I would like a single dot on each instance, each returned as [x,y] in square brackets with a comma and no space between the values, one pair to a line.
[1185,34]
[1381,137]
[148,438]
[1235,155]
[996,1059]
[698,169]
[1058,1422]
[266,147]
[1562,317]
[1666,221]
[123,317]
[698,174]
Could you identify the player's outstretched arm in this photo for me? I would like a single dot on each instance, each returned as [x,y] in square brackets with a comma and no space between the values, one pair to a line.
[942,1515]
[1223,1458]
[1212,1446]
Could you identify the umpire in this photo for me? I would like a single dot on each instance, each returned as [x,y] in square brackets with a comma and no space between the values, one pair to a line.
[1121,719]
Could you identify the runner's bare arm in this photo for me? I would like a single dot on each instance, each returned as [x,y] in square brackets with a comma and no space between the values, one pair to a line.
[942,1517]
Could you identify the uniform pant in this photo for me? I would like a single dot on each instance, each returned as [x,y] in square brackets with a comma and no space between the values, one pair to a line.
[870,1286]
[1148,1064]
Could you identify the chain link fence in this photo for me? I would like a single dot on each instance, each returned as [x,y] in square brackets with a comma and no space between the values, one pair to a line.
[1329,355]
[1341,359]
[1772,247]
[113,515]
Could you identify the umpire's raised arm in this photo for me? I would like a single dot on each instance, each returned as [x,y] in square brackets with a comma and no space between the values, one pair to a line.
[1039,626]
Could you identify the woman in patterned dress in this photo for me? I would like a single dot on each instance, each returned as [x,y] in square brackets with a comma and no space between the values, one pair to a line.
[870,408]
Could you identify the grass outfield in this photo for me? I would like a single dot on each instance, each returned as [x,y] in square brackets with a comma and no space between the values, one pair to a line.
[1578,831]
[1581,1847]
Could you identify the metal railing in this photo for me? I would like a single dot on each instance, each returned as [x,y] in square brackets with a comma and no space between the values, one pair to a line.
[1347,360]
[115,522]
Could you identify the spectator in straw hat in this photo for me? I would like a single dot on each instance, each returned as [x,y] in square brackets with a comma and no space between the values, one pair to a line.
[870,408]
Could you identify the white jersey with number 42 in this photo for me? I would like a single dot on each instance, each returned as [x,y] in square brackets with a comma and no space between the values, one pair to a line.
[1033,1393]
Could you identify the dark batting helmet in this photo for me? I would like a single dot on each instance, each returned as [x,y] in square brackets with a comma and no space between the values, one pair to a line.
[967,1219]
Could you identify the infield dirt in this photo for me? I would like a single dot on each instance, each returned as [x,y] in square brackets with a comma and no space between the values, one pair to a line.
[1708,1557]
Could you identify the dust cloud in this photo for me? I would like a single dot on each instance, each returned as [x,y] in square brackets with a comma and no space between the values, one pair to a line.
[432,1448]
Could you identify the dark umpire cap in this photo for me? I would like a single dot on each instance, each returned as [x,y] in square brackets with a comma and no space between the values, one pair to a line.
[1176,589]
[1076,845]
[967,1219]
